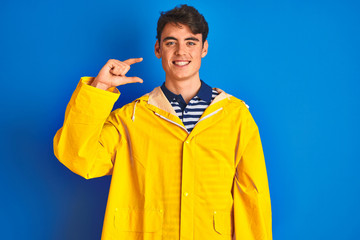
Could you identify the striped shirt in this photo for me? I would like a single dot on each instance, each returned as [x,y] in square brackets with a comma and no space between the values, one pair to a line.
[190,113]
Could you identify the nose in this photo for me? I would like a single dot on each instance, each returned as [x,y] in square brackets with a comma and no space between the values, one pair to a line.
[181,49]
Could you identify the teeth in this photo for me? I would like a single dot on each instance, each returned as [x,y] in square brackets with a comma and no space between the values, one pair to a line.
[181,63]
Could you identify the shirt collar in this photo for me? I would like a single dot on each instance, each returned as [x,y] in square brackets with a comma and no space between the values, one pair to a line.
[205,93]
[169,95]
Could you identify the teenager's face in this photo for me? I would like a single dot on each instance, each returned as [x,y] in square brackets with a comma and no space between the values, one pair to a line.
[180,51]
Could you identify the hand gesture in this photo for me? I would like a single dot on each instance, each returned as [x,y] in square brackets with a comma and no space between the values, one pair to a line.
[113,73]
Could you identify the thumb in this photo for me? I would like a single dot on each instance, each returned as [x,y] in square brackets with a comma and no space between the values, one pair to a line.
[133,80]
[121,80]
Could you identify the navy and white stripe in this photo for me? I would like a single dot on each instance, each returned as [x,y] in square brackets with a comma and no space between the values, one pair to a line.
[191,113]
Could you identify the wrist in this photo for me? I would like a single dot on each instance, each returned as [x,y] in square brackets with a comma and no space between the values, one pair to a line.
[100,85]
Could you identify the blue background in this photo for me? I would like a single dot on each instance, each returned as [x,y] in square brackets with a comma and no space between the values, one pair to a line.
[295,62]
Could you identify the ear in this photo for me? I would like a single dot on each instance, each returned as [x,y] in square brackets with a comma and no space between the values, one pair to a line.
[157,49]
[204,49]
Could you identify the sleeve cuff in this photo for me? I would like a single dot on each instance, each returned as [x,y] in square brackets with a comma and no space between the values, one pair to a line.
[89,103]
[88,80]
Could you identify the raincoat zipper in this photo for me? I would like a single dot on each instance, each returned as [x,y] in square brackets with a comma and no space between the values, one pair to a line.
[133,115]
[172,122]
[209,115]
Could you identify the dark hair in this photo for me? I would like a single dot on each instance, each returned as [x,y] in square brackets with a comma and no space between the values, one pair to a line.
[186,15]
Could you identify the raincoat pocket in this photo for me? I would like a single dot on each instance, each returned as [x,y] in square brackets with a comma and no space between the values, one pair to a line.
[223,222]
[138,220]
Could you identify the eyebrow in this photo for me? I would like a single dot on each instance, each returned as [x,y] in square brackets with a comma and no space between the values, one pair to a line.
[193,39]
[187,39]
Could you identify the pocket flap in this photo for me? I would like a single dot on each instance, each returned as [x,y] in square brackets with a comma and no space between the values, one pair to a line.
[138,220]
[223,222]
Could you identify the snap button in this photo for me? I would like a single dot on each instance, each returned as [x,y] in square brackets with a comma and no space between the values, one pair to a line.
[186,194]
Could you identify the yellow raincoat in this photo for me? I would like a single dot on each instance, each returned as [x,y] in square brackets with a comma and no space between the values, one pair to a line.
[167,183]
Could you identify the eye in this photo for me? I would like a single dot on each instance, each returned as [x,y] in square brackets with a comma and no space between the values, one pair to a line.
[169,43]
[191,43]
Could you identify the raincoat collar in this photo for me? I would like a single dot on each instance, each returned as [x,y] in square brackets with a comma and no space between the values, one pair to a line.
[158,103]
[158,99]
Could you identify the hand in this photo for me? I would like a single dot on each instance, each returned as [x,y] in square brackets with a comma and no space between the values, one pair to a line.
[113,73]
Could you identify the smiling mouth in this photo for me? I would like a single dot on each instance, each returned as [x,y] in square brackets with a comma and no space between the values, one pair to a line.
[181,63]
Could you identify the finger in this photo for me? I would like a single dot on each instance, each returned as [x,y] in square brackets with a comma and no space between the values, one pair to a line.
[133,60]
[122,67]
[116,70]
[120,70]
[125,68]
[112,63]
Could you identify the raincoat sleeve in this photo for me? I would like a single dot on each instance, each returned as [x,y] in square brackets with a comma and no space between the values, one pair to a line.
[86,142]
[252,207]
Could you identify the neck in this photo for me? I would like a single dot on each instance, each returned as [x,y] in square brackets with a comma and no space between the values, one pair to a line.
[187,88]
